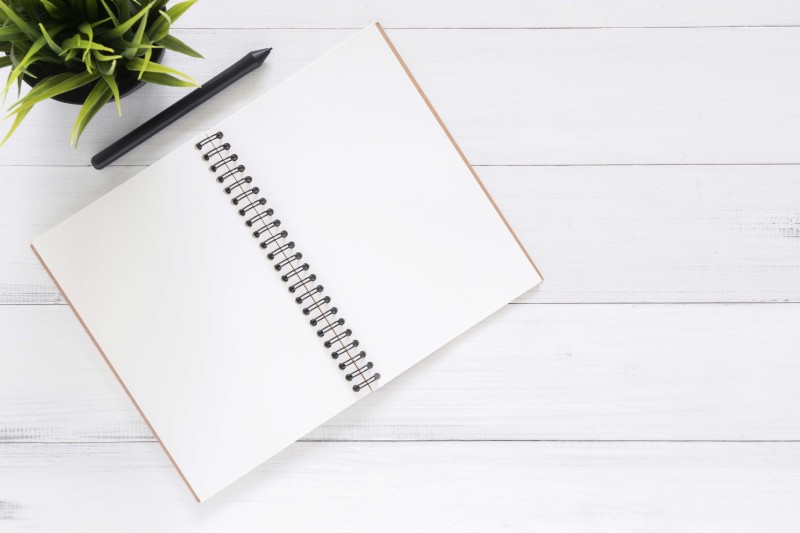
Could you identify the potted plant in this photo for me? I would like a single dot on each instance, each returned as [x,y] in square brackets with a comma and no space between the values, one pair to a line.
[89,52]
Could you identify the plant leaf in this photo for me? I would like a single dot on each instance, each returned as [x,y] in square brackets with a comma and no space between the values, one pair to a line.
[53,9]
[100,56]
[160,4]
[12,33]
[110,13]
[156,68]
[112,84]
[123,27]
[166,79]
[145,62]
[25,61]
[87,29]
[50,42]
[5,61]
[23,25]
[91,7]
[17,121]
[133,50]
[129,50]
[160,28]
[29,7]
[76,43]
[53,86]
[94,102]
[107,67]
[101,22]
[176,45]
[5,93]
[124,9]
[179,9]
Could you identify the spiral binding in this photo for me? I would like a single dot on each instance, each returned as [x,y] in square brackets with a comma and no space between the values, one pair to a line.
[302,284]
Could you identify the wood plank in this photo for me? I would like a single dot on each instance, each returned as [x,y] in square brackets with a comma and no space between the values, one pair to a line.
[497,14]
[657,234]
[704,95]
[489,486]
[599,234]
[669,372]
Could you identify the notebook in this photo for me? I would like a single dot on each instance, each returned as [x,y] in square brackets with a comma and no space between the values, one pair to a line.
[287,262]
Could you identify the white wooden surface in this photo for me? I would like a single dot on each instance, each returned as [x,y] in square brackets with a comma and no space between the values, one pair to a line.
[646,153]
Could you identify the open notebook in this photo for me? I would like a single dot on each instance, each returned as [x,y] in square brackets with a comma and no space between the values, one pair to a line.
[287,262]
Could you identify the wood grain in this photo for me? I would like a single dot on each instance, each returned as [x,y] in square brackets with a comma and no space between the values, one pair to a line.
[551,372]
[497,14]
[510,97]
[400,487]
[599,234]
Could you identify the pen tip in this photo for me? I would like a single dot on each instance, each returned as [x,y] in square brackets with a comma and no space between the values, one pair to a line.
[261,55]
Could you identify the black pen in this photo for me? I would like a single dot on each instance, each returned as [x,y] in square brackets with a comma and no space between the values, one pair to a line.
[250,62]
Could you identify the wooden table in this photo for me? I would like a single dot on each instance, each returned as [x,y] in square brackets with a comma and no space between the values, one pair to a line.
[646,153]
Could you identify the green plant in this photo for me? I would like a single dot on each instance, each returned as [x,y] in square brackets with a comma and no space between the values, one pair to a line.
[88,42]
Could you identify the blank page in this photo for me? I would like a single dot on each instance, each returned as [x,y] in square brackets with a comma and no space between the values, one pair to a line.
[196,323]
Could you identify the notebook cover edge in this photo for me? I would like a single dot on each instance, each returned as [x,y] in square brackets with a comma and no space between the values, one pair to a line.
[114,371]
[455,145]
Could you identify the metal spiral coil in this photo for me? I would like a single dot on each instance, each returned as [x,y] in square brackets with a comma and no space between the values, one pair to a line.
[302,284]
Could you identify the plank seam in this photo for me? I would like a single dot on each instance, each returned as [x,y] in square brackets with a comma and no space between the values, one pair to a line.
[389,441]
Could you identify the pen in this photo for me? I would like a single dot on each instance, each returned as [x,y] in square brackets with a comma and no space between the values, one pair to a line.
[250,62]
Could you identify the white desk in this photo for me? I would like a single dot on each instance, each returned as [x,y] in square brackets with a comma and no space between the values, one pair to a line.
[646,152]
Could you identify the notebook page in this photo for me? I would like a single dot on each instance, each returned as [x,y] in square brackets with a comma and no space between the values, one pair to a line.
[190,315]
[381,204]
